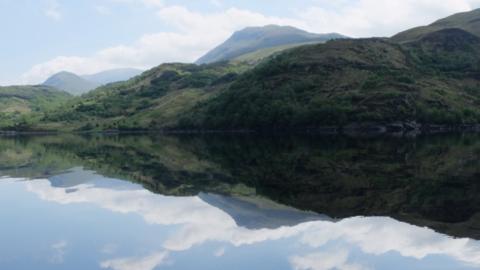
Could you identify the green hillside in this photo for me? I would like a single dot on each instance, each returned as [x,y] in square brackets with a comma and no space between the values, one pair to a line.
[433,80]
[468,21]
[342,84]
[152,100]
[21,105]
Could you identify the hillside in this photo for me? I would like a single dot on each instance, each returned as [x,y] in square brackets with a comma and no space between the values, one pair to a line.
[152,100]
[71,83]
[21,104]
[348,82]
[256,38]
[344,84]
[468,21]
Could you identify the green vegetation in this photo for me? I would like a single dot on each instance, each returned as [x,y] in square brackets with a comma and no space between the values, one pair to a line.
[24,105]
[152,100]
[353,81]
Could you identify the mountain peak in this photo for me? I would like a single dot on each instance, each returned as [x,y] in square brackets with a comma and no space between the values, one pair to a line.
[252,39]
[70,82]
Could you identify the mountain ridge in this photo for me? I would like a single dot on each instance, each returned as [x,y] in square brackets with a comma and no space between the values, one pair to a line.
[251,39]
[468,21]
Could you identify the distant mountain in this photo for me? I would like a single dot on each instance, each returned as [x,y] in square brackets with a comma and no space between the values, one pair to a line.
[259,213]
[71,83]
[252,39]
[78,85]
[114,75]
[467,21]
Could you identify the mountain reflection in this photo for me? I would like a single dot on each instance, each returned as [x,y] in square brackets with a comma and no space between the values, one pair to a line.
[198,222]
[429,181]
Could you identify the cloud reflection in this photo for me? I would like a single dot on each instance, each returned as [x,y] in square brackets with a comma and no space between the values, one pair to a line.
[328,260]
[199,222]
[136,263]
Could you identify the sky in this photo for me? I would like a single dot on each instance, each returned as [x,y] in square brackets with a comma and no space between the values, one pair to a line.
[41,37]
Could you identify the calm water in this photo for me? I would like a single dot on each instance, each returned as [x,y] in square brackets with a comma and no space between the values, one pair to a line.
[238,202]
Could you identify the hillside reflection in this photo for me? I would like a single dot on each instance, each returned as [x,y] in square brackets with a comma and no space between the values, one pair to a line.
[429,181]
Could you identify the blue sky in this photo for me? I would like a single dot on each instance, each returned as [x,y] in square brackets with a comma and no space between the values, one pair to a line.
[42,37]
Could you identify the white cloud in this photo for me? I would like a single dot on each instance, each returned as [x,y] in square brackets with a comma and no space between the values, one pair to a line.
[135,263]
[366,18]
[194,34]
[53,11]
[328,260]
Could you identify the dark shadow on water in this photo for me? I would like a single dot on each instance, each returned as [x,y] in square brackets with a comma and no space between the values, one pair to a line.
[427,181]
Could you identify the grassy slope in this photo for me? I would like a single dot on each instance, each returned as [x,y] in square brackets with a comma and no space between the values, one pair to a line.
[152,100]
[348,81]
[257,56]
[21,105]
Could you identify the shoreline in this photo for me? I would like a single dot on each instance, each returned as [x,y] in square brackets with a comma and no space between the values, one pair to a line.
[407,129]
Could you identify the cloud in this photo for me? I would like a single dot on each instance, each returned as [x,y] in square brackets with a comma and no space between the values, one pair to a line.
[59,250]
[327,260]
[135,263]
[366,18]
[192,35]
[53,11]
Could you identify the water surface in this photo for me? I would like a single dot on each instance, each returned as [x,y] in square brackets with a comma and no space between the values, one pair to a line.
[239,202]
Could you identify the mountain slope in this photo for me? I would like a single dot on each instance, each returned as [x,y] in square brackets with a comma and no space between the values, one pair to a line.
[468,21]
[345,82]
[152,100]
[113,75]
[20,104]
[71,83]
[255,38]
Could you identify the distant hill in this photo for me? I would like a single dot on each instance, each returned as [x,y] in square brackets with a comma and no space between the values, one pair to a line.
[78,85]
[151,100]
[19,104]
[113,75]
[467,21]
[252,39]
[71,83]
